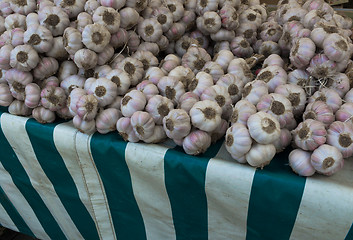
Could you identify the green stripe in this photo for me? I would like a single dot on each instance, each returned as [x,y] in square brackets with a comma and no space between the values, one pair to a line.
[55,169]
[350,234]
[20,178]
[185,182]
[108,152]
[14,215]
[275,198]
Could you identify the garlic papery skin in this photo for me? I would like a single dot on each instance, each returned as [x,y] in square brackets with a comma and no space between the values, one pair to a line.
[72,8]
[295,94]
[253,91]
[187,101]
[273,76]
[116,4]
[200,83]
[84,126]
[233,84]
[283,141]
[83,19]
[321,66]
[238,141]
[85,58]
[43,115]
[154,74]
[123,126]
[72,40]
[209,22]
[54,19]
[46,67]
[273,59]
[133,101]
[5,95]
[24,58]
[177,124]
[24,7]
[242,110]
[143,124]
[150,30]
[157,136]
[128,17]
[170,62]
[159,107]
[300,162]
[58,50]
[121,80]
[183,74]
[101,71]
[302,52]
[270,31]
[240,68]
[336,47]
[72,82]
[147,58]
[182,44]
[329,96]
[223,58]
[147,88]
[320,111]
[229,17]
[196,142]
[309,134]
[327,160]
[5,53]
[5,8]
[73,98]
[263,128]
[16,37]
[260,155]
[241,48]
[340,135]
[32,95]
[133,67]
[220,131]
[171,88]
[269,47]
[345,112]
[15,20]
[104,90]
[218,94]
[321,32]
[53,98]
[108,17]
[340,83]
[18,107]
[119,39]
[195,58]
[163,16]
[39,37]
[95,37]
[214,69]
[278,106]
[87,107]
[106,120]
[206,115]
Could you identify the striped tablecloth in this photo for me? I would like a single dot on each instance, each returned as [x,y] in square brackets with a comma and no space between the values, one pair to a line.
[57,183]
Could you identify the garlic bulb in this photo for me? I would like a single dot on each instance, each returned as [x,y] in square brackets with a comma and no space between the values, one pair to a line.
[18,107]
[200,83]
[220,131]
[147,88]
[242,110]
[195,58]
[72,40]
[106,120]
[273,76]
[339,82]
[321,66]
[88,127]
[150,30]
[238,140]
[5,95]
[300,162]
[240,68]
[157,136]
[253,91]
[154,74]
[85,58]
[53,98]
[170,62]
[214,69]
[206,115]
[159,107]
[72,82]
[187,101]
[17,81]
[241,48]
[183,74]
[5,53]
[329,96]
[177,124]
[121,80]
[320,111]
[132,102]
[283,141]
[54,19]
[43,115]
[95,37]
[345,112]
[309,134]
[32,95]
[302,52]
[260,155]
[133,67]
[218,94]
[273,59]
[223,58]
[46,68]
[108,17]
[104,90]
[171,88]
[39,37]
[147,58]
[143,124]
[196,142]
[327,160]
[163,16]
[263,128]
[340,135]
[336,47]
[24,58]
[83,19]
[233,84]
[125,130]
[295,94]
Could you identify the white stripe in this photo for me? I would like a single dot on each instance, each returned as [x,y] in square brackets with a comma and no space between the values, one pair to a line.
[95,188]
[64,139]
[146,166]
[228,186]
[21,204]
[326,210]
[14,129]
[5,220]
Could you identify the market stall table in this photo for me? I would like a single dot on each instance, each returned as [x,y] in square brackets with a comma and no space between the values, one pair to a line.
[57,183]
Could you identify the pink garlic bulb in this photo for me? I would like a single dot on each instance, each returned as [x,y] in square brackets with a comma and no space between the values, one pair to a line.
[260,155]
[159,107]
[104,90]
[295,94]
[223,58]
[183,74]
[240,68]
[171,88]
[43,115]
[73,98]
[329,96]
[273,76]
[320,111]
[196,142]
[24,58]
[88,127]
[125,130]
[64,113]
[273,59]
[340,135]
[238,140]
[340,83]
[336,47]
[253,91]
[214,69]
[157,136]
[170,62]
[19,108]
[302,52]
[177,124]
[263,128]
[345,112]
[242,110]
[51,81]
[121,80]
[87,107]
[147,88]
[206,115]
[321,66]
[106,120]
[5,95]
[5,52]
[32,95]
[132,101]
[187,101]
[241,48]
[195,58]
[327,160]
[143,124]
[220,131]
[300,162]
[200,83]
[66,69]
[46,67]
[72,82]
[53,98]
[233,84]
[309,134]
[218,94]
[154,74]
